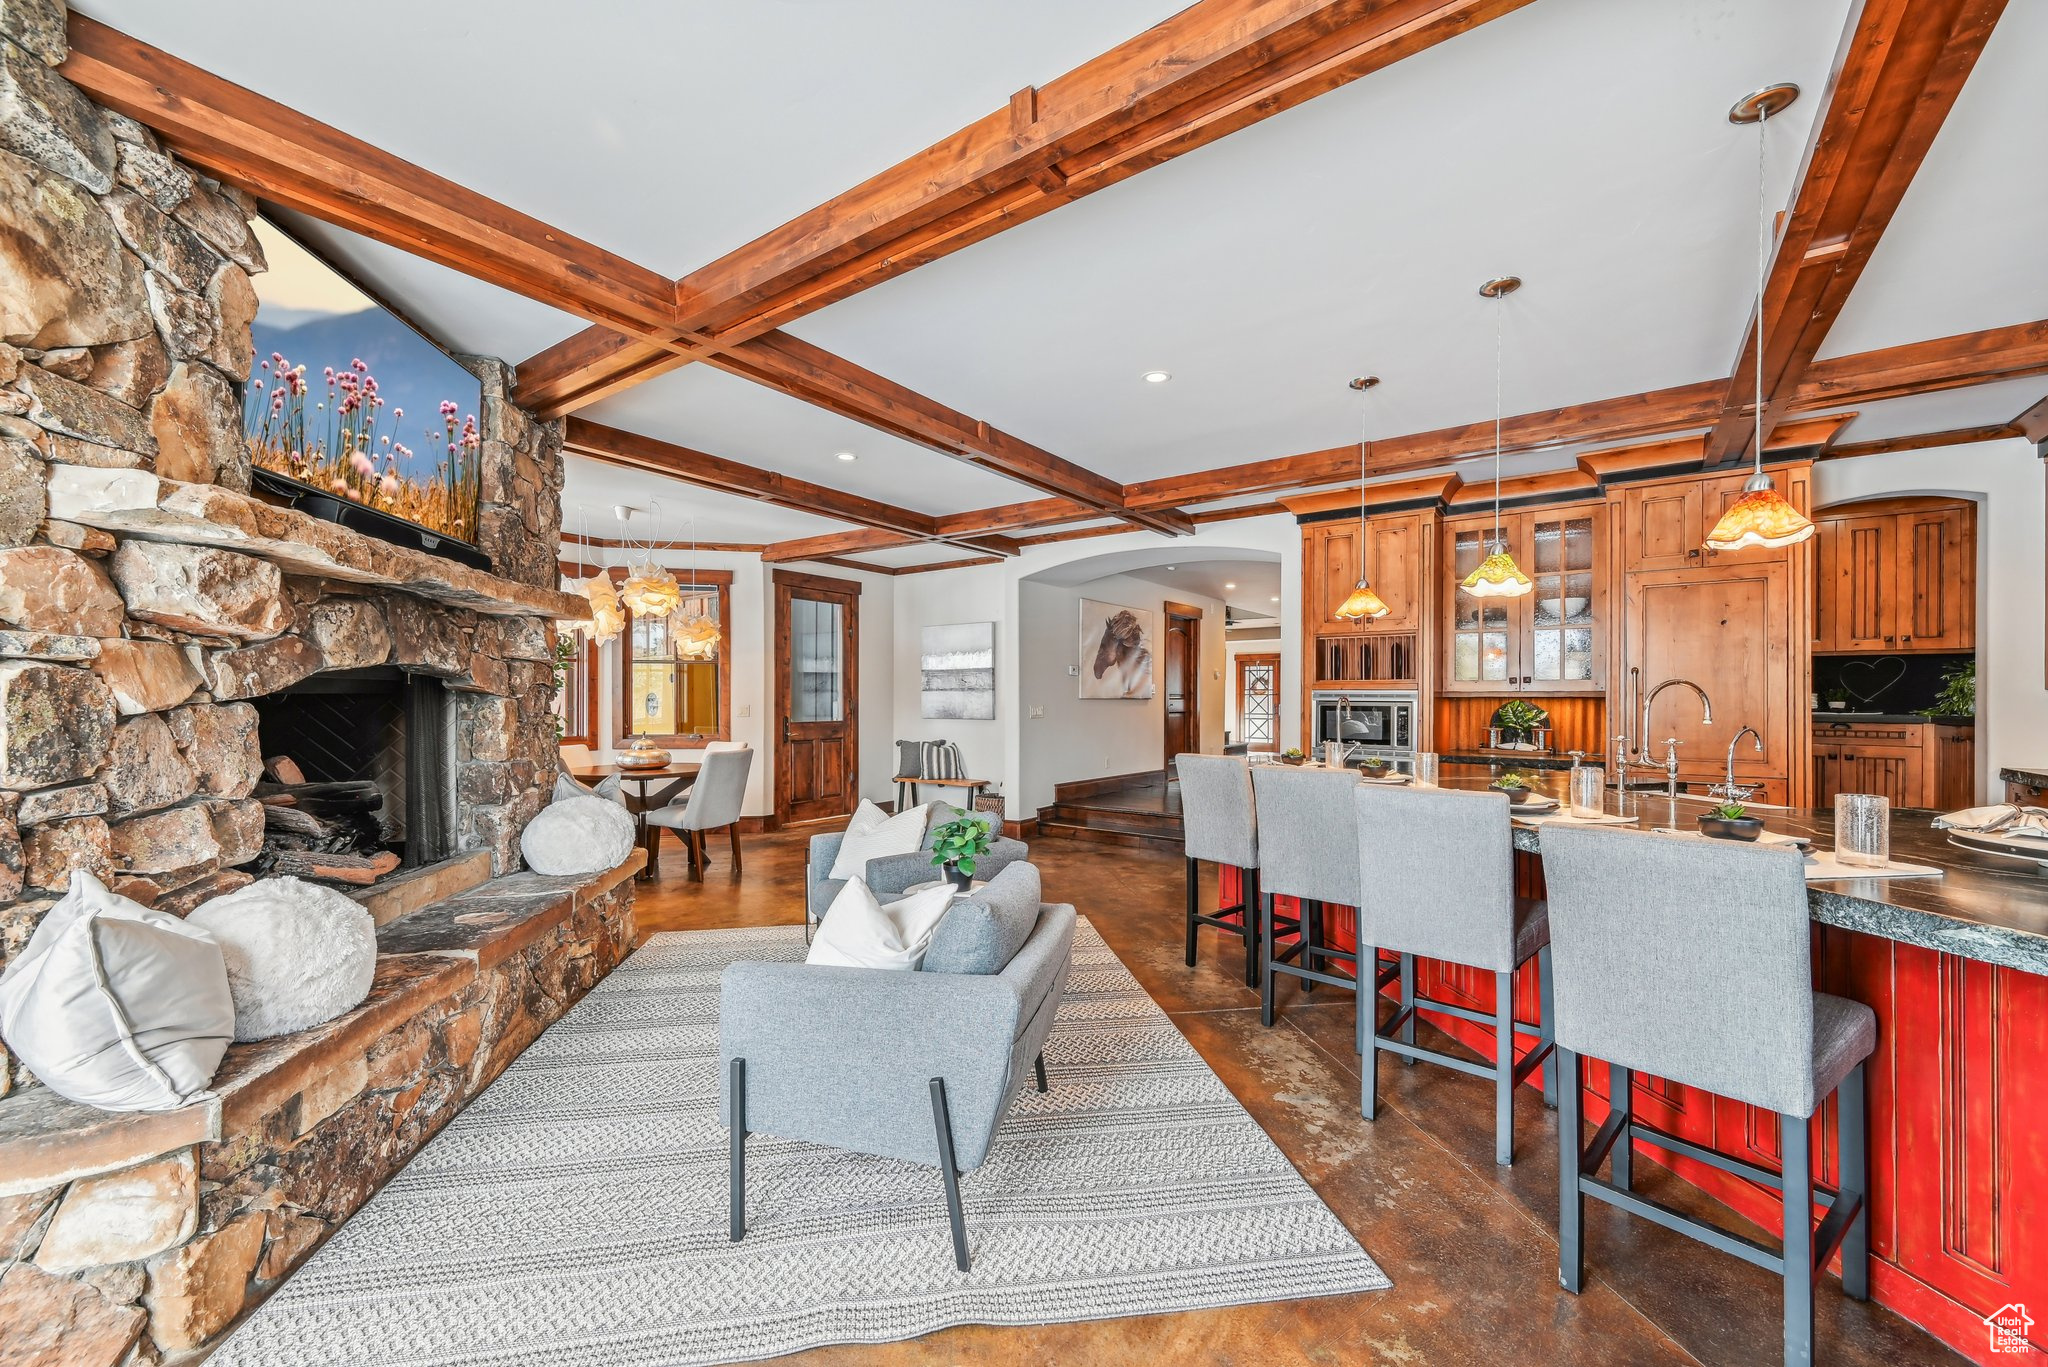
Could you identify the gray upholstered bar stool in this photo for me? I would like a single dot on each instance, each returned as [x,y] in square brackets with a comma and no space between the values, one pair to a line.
[1219,824]
[1693,960]
[1306,844]
[1439,868]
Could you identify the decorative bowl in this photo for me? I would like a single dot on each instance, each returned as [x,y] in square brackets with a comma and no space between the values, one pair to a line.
[642,754]
[1722,828]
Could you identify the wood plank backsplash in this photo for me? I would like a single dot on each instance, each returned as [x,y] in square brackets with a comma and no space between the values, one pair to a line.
[1576,723]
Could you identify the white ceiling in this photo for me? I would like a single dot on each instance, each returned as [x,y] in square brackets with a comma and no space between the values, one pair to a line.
[1580,143]
[1198,570]
[591,488]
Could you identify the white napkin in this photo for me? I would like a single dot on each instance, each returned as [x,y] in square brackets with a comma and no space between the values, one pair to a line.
[2002,818]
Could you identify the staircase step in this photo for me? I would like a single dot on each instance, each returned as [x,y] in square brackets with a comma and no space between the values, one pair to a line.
[1053,828]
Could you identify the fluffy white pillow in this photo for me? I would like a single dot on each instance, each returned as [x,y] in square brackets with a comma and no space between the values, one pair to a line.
[298,954]
[577,833]
[874,834]
[117,1006]
[859,932]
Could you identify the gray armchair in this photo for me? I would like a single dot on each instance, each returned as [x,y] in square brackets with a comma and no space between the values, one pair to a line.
[889,876]
[916,1066]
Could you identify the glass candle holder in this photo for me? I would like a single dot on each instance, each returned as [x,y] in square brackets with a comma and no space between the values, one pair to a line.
[1425,769]
[1586,791]
[1863,829]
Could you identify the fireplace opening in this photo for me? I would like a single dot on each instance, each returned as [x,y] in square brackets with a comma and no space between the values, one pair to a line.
[356,775]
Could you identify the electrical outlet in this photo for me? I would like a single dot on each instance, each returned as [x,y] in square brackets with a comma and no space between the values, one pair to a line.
[746,709]
[1073,671]
[1037,712]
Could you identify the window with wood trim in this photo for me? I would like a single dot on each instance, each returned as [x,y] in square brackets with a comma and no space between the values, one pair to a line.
[576,701]
[671,698]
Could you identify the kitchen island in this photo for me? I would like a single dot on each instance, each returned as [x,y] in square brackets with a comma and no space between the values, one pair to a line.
[1956,968]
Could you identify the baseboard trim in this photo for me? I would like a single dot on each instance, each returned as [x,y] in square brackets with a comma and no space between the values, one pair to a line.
[759,825]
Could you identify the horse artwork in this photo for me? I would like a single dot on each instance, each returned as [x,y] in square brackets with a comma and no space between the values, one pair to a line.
[1116,651]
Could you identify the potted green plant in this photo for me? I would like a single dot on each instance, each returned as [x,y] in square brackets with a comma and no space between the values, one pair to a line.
[1517,720]
[1514,783]
[1374,765]
[1293,756]
[958,843]
[1837,699]
[1958,696]
[1731,821]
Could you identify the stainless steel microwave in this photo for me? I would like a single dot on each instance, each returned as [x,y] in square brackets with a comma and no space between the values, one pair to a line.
[1367,722]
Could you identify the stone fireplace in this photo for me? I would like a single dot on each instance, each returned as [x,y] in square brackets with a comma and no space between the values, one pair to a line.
[163,635]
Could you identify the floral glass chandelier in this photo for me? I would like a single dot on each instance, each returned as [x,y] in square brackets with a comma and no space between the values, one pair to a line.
[607,619]
[1363,604]
[650,590]
[1762,516]
[1498,576]
[694,631]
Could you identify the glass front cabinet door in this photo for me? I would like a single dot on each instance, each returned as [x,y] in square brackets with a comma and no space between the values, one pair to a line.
[1550,640]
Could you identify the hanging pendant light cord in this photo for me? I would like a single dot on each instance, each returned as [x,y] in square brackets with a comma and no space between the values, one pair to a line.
[1763,117]
[1498,301]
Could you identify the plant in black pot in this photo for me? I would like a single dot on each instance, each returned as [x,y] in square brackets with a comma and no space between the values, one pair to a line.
[1293,756]
[958,843]
[1517,720]
[1515,785]
[1731,821]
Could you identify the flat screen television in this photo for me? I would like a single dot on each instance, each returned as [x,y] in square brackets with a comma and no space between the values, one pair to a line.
[352,415]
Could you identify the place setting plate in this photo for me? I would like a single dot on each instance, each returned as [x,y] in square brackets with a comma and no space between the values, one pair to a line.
[2009,845]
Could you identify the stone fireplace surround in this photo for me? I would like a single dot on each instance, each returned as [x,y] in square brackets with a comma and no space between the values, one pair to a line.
[145,600]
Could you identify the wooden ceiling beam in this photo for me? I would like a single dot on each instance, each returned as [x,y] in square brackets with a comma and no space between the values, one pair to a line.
[1956,362]
[1901,65]
[2033,424]
[1959,436]
[280,155]
[1215,67]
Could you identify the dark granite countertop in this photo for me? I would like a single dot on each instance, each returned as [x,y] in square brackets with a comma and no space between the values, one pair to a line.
[2036,775]
[1889,719]
[1984,906]
[1512,759]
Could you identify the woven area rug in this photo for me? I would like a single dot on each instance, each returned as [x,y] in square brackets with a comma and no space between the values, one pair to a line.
[575,1214]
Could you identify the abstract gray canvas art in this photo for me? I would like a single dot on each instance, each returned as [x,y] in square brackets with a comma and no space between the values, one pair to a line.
[958,669]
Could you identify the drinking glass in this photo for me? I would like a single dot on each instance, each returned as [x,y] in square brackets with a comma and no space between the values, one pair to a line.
[1863,829]
[1425,768]
[1586,791]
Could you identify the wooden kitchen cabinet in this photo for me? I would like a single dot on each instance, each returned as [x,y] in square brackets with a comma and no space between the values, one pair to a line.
[1393,562]
[1915,764]
[1664,524]
[1955,767]
[1550,640]
[1896,576]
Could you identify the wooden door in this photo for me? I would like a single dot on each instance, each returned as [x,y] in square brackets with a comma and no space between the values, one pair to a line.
[1562,649]
[1860,580]
[1180,680]
[1954,753]
[1727,632]
[1662,526]
[817,693]
[1937,579]
[1332,571]
[1258,701]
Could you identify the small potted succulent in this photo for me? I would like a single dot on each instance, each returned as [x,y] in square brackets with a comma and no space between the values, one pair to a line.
[958,843]
[1515,784]
[1731,821]
[1293,756]
[1837,699]
[1375,766]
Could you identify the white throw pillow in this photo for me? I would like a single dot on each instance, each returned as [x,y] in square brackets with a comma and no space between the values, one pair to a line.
[577,833]
[298,954]
[117,1006]
[873,834]
[859,932]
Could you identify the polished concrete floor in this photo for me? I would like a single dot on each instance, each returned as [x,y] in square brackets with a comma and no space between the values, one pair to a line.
[1471,1247]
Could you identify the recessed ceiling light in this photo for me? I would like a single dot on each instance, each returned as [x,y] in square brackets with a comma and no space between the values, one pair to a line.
[1173,567]
[848,455]
[1157,376]
[1230,586]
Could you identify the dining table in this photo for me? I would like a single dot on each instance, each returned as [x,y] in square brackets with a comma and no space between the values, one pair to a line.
[1950,949]
[675,778]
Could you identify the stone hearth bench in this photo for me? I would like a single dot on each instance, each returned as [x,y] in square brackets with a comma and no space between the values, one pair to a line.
[170,1224]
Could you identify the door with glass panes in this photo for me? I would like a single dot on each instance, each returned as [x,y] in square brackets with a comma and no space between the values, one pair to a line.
[817,689]
[1549,640]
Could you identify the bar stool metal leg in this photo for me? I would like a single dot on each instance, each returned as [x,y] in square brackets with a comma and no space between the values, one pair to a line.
[1794,1141]
[1311,941]
[1621,1086]
[1249,897]
[1546,1002]
[1852,1171]
[1266,959]
[1571,1198]
[1408,1005]
[1194,894]
[1504,1068]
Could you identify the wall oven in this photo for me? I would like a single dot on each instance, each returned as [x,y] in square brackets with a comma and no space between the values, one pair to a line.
[1370,724]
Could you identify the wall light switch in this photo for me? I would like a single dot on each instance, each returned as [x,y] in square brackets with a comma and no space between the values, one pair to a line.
[746,709]
[1037,712]
[1073,671]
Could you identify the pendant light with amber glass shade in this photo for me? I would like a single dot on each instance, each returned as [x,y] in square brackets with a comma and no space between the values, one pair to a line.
[1762,516]
[1498,576]
[1363,605]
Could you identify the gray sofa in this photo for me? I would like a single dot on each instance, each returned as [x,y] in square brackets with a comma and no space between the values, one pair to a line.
[916,1066]
[888,877]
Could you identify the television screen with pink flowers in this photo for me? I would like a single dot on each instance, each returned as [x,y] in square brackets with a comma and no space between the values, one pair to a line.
[345,400]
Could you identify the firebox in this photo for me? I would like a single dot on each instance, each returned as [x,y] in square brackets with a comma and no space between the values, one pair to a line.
[372,748]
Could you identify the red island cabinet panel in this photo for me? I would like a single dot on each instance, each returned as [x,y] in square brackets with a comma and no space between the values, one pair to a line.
[1958,1092]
